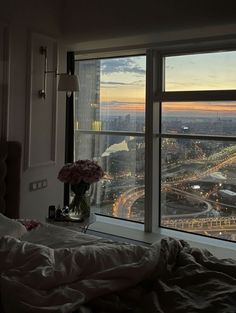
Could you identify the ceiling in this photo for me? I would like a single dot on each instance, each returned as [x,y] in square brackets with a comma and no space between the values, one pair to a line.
[87,20]
[101,19]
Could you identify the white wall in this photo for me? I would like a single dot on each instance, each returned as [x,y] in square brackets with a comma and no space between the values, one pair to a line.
[21,18]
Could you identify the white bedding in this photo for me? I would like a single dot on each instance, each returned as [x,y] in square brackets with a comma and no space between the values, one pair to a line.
[58,237]
[10,227]
[51,279]
[59,271]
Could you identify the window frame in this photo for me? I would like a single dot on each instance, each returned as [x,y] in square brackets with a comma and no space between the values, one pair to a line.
[154,96]
[110,55]
[160,95]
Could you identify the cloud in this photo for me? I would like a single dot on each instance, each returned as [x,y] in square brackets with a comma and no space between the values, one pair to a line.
[133,83]
[119,106]
[121,65]
[120,103]
[113,83]
[140,82]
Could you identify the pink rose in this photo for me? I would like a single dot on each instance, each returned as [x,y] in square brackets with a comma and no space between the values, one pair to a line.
[81,170]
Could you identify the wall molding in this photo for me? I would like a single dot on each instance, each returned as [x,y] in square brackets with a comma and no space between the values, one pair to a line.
[41,114]
[5,80]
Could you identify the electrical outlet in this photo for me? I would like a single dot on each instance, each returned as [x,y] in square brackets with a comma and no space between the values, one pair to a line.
[44,183]
[39,184]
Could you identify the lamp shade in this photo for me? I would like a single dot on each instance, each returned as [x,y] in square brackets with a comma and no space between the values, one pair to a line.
[68,82]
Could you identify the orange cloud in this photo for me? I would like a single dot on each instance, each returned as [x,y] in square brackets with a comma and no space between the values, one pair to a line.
[125,107]
[199,106]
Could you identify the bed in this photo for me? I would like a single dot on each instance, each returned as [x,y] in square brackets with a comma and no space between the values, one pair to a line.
[54,269]
[10,169]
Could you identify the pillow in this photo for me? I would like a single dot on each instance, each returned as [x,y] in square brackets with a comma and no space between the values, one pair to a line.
[9,227]
[29,224]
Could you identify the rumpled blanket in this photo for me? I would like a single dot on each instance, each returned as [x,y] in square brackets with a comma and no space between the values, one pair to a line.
[40,279]
[186,280]
[169,276]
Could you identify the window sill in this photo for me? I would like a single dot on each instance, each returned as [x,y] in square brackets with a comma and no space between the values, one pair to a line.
[135,231]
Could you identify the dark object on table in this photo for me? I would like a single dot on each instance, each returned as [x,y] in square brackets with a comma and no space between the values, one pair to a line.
[59,213]
[65,210]
[51,211]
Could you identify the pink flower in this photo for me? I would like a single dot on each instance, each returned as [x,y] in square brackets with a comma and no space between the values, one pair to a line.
[82,170]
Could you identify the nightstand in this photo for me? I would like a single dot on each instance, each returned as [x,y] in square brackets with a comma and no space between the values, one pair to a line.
[81,226]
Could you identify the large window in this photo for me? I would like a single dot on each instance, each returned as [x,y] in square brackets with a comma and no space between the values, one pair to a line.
[109,127]
[198,144]
[169,152]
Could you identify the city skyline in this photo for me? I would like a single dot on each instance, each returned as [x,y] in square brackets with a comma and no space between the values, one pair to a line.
[200,109]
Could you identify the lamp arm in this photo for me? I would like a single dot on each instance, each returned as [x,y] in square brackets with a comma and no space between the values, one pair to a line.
[67,82]
[42,92]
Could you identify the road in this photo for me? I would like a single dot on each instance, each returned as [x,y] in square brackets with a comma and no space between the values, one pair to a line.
[122,207]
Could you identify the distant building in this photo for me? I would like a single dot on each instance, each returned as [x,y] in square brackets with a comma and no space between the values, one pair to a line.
[185,129]
[87,108]
[227,196]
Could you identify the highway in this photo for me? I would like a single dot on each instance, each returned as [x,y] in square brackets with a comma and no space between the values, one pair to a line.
[122,207]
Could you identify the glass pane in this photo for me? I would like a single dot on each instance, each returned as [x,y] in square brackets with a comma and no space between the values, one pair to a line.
[208,118]
[198,182]
[121,193]
[205,71]
[112,94]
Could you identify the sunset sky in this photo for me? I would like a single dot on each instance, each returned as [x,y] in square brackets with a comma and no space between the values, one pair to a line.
[123,82]
[216,109]
[205,71]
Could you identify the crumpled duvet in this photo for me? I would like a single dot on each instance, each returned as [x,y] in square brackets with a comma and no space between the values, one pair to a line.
[186,280]
[36,278]
[107,277]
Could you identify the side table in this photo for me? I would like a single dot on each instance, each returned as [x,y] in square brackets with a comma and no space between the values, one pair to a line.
[74,224]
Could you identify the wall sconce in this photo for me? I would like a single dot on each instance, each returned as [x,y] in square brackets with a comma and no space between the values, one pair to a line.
[67,82]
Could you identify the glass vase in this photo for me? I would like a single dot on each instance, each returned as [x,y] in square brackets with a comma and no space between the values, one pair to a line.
[79,207]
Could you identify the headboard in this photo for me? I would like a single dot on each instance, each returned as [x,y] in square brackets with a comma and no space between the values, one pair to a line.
[10,173]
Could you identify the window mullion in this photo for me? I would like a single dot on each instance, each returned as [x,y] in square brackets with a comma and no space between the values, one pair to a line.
[107,132]
[148,142]
[197,136]
[151,141]
[158,90]
[216,95]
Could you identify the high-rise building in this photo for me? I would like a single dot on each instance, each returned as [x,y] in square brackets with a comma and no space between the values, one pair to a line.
[87,108]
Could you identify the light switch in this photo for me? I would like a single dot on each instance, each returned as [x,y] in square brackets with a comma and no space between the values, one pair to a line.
[39,184]
[44,183]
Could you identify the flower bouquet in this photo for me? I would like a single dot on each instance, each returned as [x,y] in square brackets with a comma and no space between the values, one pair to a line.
[80,175]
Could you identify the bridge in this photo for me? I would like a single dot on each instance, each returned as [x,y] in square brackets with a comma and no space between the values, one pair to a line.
[201,224]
